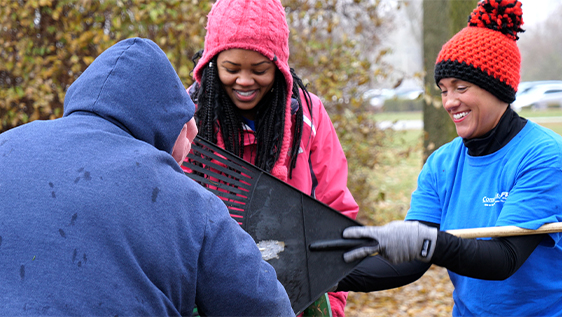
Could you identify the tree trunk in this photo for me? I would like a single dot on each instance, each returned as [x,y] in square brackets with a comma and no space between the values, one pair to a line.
[442,19]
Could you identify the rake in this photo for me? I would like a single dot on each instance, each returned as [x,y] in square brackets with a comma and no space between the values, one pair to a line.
[290,227]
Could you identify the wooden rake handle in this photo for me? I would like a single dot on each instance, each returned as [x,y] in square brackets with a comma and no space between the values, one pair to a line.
[506,231]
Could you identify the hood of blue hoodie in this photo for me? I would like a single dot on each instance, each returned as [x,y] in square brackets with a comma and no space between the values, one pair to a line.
[133,85]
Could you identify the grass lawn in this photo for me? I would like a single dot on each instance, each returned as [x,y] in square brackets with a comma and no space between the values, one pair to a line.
[404,115]
[543,113]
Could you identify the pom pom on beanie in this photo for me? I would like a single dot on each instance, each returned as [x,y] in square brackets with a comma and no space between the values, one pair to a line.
[485,52]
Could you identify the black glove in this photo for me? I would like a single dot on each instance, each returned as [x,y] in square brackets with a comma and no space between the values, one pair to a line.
[398,241]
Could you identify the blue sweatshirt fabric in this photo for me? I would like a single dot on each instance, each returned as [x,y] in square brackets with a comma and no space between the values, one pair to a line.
[97,218]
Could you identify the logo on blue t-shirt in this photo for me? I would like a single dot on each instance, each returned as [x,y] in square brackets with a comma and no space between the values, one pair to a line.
[491,201]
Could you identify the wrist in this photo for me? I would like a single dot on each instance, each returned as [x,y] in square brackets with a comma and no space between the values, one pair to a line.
[428,242]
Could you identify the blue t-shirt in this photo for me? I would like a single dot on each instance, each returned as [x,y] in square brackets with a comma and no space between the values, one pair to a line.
[519,185]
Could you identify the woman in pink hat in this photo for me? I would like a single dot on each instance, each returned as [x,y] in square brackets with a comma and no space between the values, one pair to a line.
[251,103]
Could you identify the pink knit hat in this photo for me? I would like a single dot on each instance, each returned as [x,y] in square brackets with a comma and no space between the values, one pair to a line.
[257,25]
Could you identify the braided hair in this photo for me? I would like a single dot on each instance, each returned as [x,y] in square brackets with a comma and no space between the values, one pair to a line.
[215,109]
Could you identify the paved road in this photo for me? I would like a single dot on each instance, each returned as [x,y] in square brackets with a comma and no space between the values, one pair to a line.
[418,124]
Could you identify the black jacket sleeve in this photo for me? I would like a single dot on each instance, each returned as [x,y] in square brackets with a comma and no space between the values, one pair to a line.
[494,259]
[374,273]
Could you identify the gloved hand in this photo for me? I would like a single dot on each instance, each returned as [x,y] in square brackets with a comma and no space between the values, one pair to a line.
[398,241]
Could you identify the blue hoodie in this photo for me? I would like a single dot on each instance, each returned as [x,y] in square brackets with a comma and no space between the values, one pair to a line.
[97,218]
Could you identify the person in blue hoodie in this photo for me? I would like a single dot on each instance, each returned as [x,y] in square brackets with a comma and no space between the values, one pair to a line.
[97,217]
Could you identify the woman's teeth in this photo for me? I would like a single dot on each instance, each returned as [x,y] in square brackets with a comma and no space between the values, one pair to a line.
[461,115]
[245,93]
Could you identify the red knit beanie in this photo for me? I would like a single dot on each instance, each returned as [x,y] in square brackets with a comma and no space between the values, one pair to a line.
[257,25]
[485,52]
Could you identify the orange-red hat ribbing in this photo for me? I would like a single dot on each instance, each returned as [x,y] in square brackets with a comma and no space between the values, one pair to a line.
[485,52]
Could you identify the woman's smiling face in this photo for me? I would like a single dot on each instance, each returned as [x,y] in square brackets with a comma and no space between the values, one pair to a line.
[247,76]
[474,110]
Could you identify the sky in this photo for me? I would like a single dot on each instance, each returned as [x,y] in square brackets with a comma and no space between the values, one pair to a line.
[535,11]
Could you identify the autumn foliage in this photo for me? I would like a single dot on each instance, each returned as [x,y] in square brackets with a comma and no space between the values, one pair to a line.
[46,44]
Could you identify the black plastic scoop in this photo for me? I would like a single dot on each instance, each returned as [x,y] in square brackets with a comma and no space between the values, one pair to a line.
[294,231]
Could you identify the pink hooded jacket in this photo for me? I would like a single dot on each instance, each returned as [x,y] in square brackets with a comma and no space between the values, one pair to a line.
[321,168]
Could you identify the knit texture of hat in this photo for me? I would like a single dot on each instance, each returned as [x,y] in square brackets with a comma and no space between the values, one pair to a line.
[257,25]
[485,52]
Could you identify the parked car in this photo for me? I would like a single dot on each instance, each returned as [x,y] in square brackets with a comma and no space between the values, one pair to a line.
[539,97]
[377,97]
[410,94]
[524,86]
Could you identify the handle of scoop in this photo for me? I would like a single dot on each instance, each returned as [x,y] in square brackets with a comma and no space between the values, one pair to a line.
[505,231]
[340,244]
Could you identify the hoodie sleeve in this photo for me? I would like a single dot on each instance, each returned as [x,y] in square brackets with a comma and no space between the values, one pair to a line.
[329,164]
[233,280]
